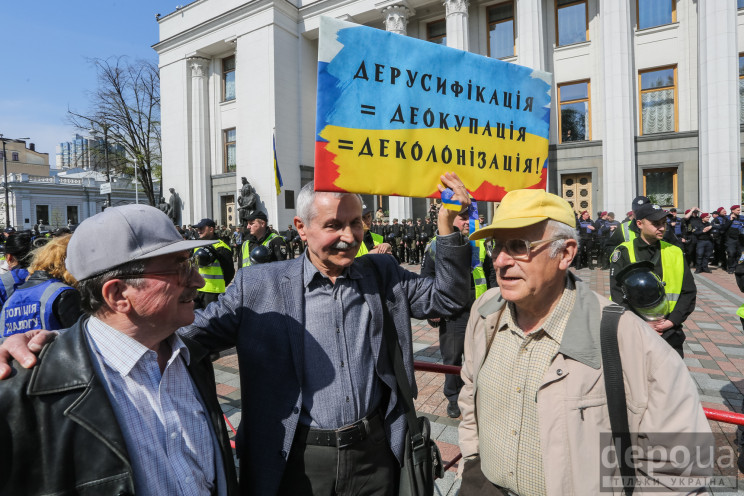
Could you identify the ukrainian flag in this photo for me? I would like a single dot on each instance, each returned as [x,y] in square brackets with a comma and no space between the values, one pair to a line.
[277,175]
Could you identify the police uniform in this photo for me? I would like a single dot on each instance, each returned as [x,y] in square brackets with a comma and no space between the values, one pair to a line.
[586,242]
[275,243]
[369,241]
[42,302]
[733,248]
[452,329]
[671,267]
[217,275]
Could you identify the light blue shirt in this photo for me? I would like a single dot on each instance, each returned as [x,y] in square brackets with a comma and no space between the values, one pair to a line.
[165,425]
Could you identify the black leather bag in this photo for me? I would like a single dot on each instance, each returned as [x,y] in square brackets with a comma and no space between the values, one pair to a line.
[422,461]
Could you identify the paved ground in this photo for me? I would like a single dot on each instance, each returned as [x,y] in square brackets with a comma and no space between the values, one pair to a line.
[714,353]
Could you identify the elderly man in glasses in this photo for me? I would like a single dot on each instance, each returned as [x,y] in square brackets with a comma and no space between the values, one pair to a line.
[532,353]
[118,403]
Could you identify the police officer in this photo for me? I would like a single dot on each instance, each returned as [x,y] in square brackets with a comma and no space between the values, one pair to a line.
[719,240]
[452,329]
[371,242]
[704,234]
[733,227]
[411,233]
[215,264]
[289,240]
[586,240]
[399,248]
[261,235]
[669,264]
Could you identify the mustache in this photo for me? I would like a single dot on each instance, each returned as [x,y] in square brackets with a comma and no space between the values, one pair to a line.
[343,245]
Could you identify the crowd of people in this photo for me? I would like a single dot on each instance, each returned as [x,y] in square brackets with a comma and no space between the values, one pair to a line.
[123,399]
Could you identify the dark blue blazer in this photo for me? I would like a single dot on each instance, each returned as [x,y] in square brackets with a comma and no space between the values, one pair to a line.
[262,314]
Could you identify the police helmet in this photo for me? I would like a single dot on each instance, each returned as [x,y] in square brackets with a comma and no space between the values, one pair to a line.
[406,238]
[423,237]
[260,255]
[644,291]
[391,238]
[297,239]
[205,256]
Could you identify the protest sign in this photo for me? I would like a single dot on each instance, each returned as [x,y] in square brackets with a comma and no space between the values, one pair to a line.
[395,112]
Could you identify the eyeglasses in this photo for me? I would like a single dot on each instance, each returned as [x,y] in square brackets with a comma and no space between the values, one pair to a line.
[518,249]
[184,270]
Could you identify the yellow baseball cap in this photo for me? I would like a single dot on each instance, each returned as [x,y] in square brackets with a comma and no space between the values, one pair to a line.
[526,207]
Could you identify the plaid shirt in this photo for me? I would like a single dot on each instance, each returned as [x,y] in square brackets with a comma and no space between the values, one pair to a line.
[165,426]
[506,402]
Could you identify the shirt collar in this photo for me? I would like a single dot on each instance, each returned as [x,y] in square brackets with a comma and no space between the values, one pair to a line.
[122,352]
[310,271]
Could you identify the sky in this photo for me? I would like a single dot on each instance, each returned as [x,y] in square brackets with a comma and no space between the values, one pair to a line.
[47,47]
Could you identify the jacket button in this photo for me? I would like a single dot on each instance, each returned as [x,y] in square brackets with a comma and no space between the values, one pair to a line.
[559,371]
[295,410]
[284,454]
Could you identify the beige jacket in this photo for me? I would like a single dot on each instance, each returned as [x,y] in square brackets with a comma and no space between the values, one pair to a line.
[572,405]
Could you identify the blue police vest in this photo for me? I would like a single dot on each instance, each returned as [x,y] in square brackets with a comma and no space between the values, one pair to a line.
[677,226]
[736,223]
[31,308]
[585,226]
[10,281]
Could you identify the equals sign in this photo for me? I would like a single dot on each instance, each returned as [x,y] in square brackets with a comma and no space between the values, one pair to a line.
[345,145]
[368,109]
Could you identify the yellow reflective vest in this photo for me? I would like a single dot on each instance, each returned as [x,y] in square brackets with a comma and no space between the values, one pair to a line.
[479,275]
[628,234]
[672,267]
[247,250]
[376,239]
[214,279]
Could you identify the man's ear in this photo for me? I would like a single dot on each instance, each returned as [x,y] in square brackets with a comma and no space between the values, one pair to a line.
[300,226]
[114,294]
[570,249]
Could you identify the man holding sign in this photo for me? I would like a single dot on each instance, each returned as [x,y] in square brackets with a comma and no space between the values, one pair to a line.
[321,412]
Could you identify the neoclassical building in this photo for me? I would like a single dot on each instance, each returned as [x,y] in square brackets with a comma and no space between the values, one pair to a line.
[646,94]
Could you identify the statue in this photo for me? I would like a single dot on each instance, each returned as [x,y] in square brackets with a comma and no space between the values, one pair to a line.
[174,204]
[164,207]
[247,201]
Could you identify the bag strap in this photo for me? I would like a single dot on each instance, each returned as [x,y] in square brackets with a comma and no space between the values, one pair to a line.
[615,391]
[396,355]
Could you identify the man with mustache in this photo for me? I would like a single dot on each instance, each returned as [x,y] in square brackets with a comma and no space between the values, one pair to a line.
[533,355]
[119,403]
[321,412]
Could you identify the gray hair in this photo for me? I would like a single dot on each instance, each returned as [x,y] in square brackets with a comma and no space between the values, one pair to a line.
[554,228]
[91,288]
[306,201]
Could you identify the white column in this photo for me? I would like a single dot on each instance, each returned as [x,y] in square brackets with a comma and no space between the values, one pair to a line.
[530,42]
[719,105]
[457,24]
[396,21]
[201,183]
[618,94]
[396,18]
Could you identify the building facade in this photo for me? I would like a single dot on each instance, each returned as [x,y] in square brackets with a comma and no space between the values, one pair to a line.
[21,158]
[646,98]
[86,153]
[60,199]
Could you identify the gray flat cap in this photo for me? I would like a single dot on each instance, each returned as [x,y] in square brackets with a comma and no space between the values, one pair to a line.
[123,234]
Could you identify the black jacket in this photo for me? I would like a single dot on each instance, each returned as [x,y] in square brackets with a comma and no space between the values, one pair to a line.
[277,246]
[59,432]
[643,251]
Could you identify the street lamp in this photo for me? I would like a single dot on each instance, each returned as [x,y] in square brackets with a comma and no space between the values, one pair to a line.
[5,174]
[95,132]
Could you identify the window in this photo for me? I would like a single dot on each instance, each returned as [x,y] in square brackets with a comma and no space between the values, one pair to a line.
[571,21]
[436,32]
[655,13]
[741,88]
[230,151]
[740,4]
[289,199]
[658,100]
[72,214]
[228,78]
[14,156]
[660,186]
[575,111]
[2,155]
[42,214]
[501,30]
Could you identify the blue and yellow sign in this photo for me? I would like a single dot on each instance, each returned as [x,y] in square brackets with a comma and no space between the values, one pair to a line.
[394,113]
